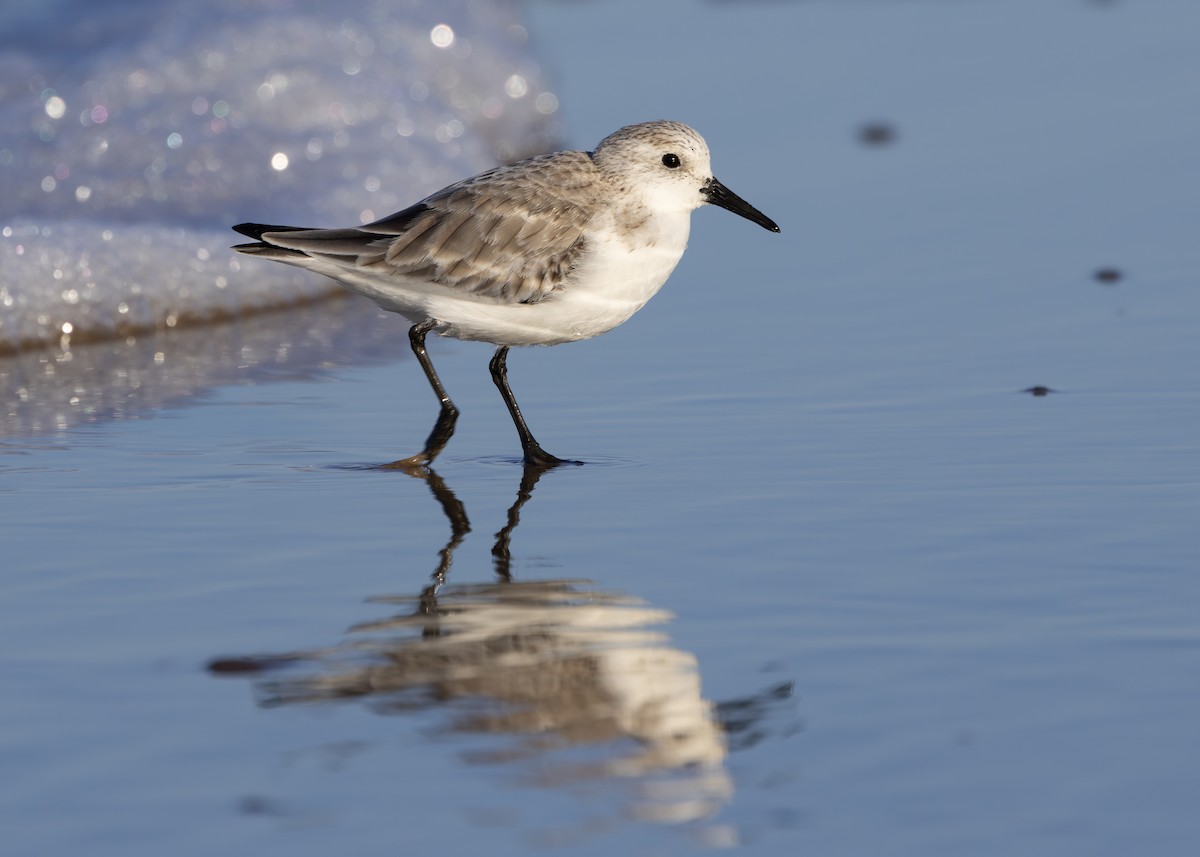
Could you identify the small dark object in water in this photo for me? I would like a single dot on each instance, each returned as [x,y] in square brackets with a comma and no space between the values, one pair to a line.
[877,134]
[1108,276]
[1038,390]
[257,805]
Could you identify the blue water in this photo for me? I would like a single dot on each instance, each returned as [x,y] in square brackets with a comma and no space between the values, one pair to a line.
[935,614]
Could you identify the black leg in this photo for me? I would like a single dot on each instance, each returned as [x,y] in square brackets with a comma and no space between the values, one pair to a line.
[534,454]
[443,429]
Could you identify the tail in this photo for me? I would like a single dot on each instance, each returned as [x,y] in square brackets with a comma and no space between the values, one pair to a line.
[262,246]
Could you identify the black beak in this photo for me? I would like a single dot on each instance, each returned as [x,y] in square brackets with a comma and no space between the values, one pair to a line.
[718,194]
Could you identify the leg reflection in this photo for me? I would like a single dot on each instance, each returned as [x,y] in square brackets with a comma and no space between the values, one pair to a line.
[501,550]
[460,525]
[456,514]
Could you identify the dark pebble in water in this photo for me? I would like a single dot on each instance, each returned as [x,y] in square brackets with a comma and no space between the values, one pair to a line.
[1037,391]
[258,805]
[877,134]
[1108,275]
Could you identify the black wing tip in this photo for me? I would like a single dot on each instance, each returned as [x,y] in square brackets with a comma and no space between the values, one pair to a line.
[264,247]
[252,230]
[258,230]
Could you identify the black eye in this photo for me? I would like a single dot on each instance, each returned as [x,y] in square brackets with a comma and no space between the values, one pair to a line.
[671,161]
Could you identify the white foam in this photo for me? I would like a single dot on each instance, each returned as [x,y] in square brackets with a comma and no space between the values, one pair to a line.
[131,140]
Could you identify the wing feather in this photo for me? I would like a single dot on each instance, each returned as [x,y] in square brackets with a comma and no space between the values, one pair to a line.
[515,233]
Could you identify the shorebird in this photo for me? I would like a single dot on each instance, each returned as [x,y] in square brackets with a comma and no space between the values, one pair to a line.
[553,249]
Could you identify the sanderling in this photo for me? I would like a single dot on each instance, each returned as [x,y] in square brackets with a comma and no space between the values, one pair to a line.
[553,249]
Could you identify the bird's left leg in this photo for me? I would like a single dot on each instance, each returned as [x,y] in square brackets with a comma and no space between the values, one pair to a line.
[443,429]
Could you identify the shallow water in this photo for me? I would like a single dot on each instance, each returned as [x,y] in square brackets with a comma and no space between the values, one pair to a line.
[932,613]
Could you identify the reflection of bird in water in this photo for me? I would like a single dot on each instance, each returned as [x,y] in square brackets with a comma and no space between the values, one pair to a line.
[556,663]
[583,682]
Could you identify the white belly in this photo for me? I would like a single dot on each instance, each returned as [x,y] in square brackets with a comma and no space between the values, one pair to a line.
[612,281]
[610,284]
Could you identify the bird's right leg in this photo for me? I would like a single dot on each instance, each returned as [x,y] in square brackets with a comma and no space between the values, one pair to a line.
[443,429]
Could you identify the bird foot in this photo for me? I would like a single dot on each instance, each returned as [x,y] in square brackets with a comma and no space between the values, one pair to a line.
[535,456]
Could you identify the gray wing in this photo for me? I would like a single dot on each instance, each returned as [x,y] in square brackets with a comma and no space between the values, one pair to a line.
[514,233]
